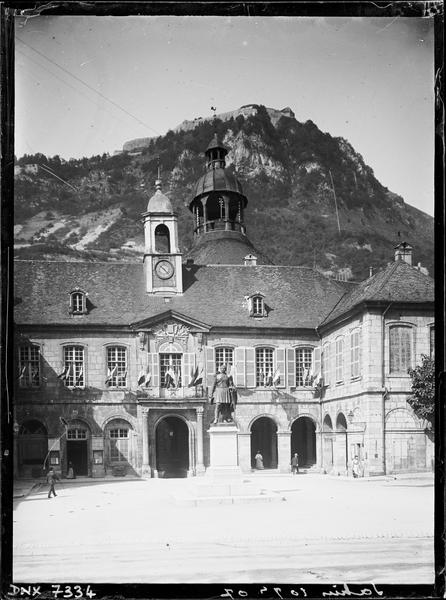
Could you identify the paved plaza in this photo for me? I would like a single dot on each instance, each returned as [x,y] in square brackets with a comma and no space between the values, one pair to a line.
[320,530]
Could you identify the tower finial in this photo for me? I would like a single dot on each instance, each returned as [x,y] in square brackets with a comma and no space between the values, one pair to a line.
[158,181]
[214,109]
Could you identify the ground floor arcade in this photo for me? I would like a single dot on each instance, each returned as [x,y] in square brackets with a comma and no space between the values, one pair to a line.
[172,440]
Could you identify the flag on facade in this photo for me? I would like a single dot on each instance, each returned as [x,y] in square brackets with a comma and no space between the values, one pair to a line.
[70,372]
[111,374]
[269,379]
[22,372]
[79,376]
[170,379]
[63,421]
[276,376]
[142,377]
[193,377]
[148,377]
[199,378]
[122,375]
[64,373]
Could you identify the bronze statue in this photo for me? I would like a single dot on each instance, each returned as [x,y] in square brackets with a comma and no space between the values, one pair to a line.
[224,395]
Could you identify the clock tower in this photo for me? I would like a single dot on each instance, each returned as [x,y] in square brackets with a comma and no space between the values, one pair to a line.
[162,256]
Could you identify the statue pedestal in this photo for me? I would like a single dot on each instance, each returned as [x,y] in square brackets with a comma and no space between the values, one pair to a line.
[223,451]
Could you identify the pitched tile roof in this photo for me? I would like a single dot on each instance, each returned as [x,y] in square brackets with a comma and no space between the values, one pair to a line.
[295,297]
[224,247]
[398,282]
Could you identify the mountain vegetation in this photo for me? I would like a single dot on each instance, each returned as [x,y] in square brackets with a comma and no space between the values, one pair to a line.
[311,198]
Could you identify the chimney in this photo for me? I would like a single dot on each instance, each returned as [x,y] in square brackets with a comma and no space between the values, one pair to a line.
[370,272]
[250,260]
[403,251]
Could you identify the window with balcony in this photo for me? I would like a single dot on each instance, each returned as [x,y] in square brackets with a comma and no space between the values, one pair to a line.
[264,367]
[304,367]
[170,370]
[74,367]
[116,366]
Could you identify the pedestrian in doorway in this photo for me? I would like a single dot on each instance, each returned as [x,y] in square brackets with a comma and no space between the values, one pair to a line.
[295,463]
[70,472]
[51,478]
[259,461]
[356,467]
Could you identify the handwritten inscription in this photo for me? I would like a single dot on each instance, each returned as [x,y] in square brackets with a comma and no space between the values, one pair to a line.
[300,592]
[57,591]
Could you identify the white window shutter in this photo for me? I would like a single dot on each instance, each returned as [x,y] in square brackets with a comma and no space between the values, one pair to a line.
[240,367]
[280,365]
[154,370]
[210,365]
[316,362]
[291,367]
[250,361]
[188,368]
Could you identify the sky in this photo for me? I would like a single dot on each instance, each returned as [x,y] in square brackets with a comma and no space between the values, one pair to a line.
[85,85]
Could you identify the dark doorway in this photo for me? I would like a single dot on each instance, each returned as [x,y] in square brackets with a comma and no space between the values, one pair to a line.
[264,440]
[341,440]
[77,454]
[172,448]
[303,441]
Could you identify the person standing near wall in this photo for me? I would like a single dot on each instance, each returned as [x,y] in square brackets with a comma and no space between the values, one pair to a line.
[295,464]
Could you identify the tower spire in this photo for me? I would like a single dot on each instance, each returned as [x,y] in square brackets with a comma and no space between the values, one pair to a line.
[158,180]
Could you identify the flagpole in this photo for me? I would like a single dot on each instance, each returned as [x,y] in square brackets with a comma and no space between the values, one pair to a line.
[58,440]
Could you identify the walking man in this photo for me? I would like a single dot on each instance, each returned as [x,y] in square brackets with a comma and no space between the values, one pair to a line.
[51,480]
[295,463]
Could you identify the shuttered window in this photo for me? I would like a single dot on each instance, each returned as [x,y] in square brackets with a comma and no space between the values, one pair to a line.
[339,359]
[224,357]
[400,349]
[264,366]
[326,364]
[304,366]
[432,342]
[354,353]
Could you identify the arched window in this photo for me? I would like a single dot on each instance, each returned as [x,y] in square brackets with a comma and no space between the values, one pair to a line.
[74,368]
[264,366]
[304,367]
[116,366]
[257,306]
[401,350]
[78,302]
[29,366]
[162,239]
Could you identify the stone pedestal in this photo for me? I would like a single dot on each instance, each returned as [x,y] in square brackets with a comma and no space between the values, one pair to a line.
[223,450]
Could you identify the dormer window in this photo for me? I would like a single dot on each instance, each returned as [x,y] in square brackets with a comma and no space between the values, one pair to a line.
[78,302]
[256,305]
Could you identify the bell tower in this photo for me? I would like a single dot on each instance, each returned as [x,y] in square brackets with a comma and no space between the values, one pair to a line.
[162,256]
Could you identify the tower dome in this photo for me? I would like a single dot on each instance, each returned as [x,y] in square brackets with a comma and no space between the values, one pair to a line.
[218,206]
[159,202]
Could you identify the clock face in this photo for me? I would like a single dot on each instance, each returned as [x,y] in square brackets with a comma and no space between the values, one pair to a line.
[164,269]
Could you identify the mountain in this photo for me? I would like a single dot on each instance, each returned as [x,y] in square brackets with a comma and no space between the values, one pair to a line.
[311,198]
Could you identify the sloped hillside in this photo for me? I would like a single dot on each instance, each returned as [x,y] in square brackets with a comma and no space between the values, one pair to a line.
[294,176]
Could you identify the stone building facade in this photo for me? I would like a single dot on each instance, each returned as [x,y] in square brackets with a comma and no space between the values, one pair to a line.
[115,361]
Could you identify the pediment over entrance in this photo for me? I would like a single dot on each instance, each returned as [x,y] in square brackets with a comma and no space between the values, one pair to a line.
[172,322]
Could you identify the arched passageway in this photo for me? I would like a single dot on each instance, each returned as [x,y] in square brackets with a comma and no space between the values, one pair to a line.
[172,447]
[303,441]
[264,439]
[327,442]
[341,442]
